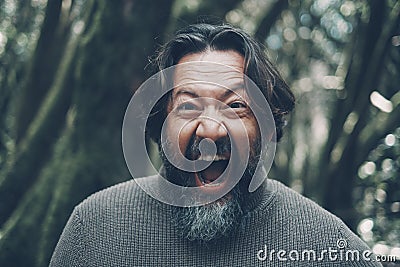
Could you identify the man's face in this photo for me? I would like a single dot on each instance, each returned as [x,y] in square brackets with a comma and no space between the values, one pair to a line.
[209,105]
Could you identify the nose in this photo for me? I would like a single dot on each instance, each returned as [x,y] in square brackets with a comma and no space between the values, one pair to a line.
[210,128]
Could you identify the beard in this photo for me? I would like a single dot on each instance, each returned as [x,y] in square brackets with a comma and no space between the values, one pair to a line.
[209,222]
[221,217]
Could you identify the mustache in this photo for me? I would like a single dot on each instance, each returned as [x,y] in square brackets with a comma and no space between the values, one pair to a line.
[222,145]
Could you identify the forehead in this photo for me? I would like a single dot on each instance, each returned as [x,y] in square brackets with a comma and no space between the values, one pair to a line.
[210,69]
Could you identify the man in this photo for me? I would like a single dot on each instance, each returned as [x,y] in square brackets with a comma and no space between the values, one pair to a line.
[214,119]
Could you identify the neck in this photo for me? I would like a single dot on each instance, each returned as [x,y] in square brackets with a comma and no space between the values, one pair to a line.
[252,200]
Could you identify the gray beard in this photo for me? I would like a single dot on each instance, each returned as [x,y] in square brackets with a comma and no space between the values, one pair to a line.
[219,218]
[213,221]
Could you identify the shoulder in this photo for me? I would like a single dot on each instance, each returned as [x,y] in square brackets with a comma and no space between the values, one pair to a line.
[108,225]
[119,194]
[309,223]
[299,206]
[122,200]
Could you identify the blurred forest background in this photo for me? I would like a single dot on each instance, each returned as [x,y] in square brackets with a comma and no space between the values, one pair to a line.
[68,69]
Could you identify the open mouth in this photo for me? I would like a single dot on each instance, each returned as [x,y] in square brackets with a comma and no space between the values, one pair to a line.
[208,177]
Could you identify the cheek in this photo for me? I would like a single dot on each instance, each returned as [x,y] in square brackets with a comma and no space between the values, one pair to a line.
[254,145]
[243,134]
[179,133]
[253,131]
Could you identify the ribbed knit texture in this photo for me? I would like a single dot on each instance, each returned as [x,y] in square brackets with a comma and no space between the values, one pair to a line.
[123,226]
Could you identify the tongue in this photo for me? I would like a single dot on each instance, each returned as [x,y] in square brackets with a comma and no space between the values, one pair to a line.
[213,171]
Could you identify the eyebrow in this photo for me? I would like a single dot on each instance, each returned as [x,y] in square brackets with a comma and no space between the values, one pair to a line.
[227,92]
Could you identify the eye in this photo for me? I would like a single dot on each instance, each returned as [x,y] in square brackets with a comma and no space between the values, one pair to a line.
[237,105]
[236,109]
[187,106]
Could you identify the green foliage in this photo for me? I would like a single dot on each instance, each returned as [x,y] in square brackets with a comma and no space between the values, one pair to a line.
[377,195]
[68,69]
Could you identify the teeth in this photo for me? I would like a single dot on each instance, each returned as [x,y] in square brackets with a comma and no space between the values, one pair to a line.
[213,158]
[213,184]
[206,158]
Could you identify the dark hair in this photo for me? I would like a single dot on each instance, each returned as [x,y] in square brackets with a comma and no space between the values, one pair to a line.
[201,37]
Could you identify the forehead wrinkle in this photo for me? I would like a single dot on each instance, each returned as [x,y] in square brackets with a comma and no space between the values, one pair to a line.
[207,76]
[191,75]
[224,68]
[230,66]
[190,89]
[207,73]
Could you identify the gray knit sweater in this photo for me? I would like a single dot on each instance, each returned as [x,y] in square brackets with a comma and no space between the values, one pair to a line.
[123,226]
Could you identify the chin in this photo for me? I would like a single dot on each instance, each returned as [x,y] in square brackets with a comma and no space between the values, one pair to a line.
[210,222]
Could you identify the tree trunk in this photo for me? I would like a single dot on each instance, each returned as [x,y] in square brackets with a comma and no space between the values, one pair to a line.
[100,69]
